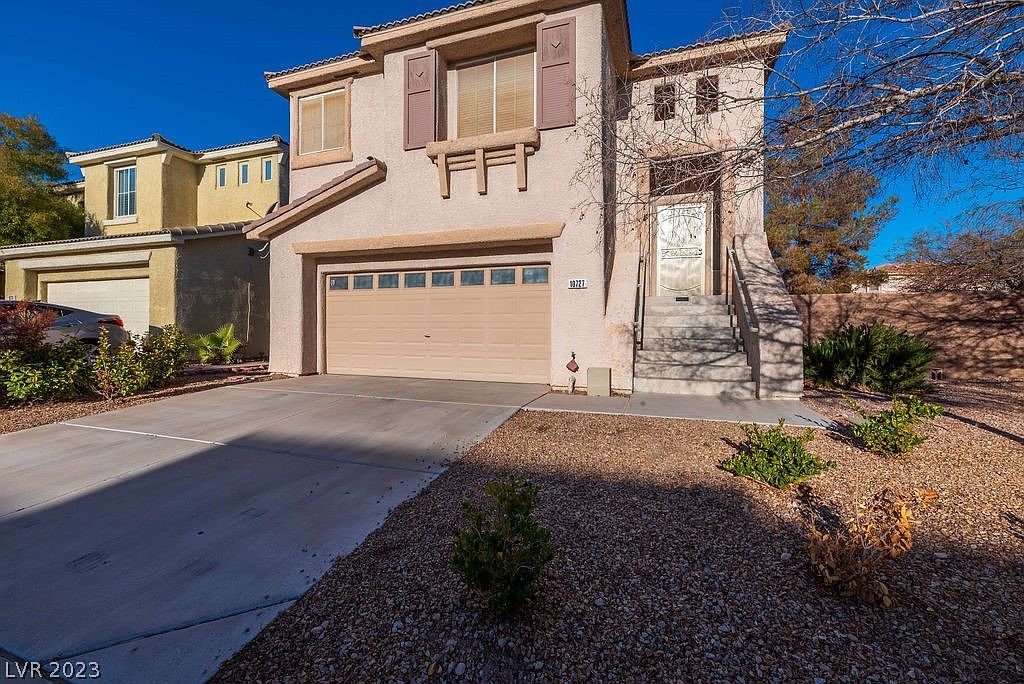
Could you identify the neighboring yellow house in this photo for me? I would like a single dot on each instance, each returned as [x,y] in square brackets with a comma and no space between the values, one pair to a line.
[164,241]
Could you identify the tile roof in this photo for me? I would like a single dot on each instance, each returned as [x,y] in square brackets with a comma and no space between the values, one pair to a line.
[156,137]
[274,138]
[181,231]
[302,67]
[704,43]
[360,31]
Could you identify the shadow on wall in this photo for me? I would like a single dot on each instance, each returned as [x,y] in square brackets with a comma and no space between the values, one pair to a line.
[976,335]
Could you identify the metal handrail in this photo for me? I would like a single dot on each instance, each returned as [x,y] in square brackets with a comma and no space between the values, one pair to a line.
[638,312]
[739,288]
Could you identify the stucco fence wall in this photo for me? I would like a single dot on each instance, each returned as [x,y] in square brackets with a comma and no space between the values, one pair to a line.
[976,335]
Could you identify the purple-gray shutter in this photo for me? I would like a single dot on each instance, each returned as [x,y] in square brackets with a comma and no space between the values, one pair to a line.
[420,99]
[556,73]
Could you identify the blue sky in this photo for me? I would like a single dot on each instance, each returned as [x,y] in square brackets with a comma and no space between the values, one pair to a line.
[101,73]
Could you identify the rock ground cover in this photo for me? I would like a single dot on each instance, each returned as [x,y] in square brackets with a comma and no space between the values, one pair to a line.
[669,569]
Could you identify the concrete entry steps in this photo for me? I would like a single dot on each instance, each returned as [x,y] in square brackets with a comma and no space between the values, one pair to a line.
[692,347]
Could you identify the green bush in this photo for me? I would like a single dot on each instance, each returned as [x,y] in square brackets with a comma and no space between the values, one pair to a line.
[501,550]
[50,371]
[218,346]
[891,432]
[772,456]
[877,356]
[138,364]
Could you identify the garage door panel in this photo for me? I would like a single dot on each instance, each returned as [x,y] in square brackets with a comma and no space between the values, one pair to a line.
[126,297]
[472,332]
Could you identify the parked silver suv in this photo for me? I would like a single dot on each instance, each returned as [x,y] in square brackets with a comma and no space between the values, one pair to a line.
[75,324]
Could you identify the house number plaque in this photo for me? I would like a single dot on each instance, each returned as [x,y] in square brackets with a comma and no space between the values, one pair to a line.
[577,283]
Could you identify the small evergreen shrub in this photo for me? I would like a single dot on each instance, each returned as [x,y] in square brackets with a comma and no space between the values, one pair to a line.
[848,561]
[891,432]
[772,456]
[501,550]
[218,346]
[50,371]
[138,364]
[23,327]
[877,356]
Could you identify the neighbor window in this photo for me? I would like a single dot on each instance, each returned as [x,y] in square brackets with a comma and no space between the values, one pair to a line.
[243,173]
[222,176]
[322,121]
[268,170]
[495,95]
[535,275]
[339,283]
[665,102]
[363,282]
[707,94]
[124,191]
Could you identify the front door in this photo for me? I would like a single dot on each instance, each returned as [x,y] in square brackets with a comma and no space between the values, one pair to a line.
[681,239]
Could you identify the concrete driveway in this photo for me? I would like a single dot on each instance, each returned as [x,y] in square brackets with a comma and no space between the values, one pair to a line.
[158,539]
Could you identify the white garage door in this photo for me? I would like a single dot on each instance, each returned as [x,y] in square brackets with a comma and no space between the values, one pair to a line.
[128,298]
[483,323]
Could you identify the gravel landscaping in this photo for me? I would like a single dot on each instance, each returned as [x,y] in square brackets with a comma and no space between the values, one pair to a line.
[32,415]
[669,569]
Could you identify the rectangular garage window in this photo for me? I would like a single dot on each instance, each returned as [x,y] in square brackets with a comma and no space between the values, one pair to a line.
[535,275]
[442,279]
[338,283]
[387,281]
[472,277]
[415,279]
[503,276]
[363,282]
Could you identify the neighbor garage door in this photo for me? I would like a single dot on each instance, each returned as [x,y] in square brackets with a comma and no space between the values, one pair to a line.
[468,324]
[128,298]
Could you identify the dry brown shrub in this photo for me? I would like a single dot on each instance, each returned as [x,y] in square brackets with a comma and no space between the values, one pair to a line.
[848,561]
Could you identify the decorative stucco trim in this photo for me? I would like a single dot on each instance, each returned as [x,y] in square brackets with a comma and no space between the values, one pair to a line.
[437,241]
[752,47]
[337,190]
[60,263]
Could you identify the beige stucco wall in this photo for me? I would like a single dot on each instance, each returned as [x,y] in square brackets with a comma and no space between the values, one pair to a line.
[218,282]
[179,180]
[149,196]
[409,201]
[22,283]
[218,205]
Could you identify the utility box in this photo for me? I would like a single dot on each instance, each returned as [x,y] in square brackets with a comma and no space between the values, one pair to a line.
[599,382]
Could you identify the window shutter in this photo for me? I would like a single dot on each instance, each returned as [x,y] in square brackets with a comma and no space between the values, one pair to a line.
[420,99]
[556,73]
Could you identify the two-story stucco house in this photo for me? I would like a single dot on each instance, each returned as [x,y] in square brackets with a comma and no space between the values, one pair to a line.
[437,229]
[164,241]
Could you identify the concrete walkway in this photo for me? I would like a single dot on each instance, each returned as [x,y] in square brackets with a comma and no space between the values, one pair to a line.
[689,407]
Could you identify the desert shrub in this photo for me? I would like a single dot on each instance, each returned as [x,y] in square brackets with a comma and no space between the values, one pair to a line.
[891,431]
[218,346]
[23,327]
[50,371]
[501,550]
[848,561]
[164,355]
[772,456]
[138,364]
[877,356]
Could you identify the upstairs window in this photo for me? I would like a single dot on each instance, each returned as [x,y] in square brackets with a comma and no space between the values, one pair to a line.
[322,122]
[495,95]
[665,102]
[268,170]
[124,192]
[222,176]
[243,173]
[707,94]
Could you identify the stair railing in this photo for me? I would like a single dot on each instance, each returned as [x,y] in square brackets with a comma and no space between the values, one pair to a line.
[638,313]
[749,329]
